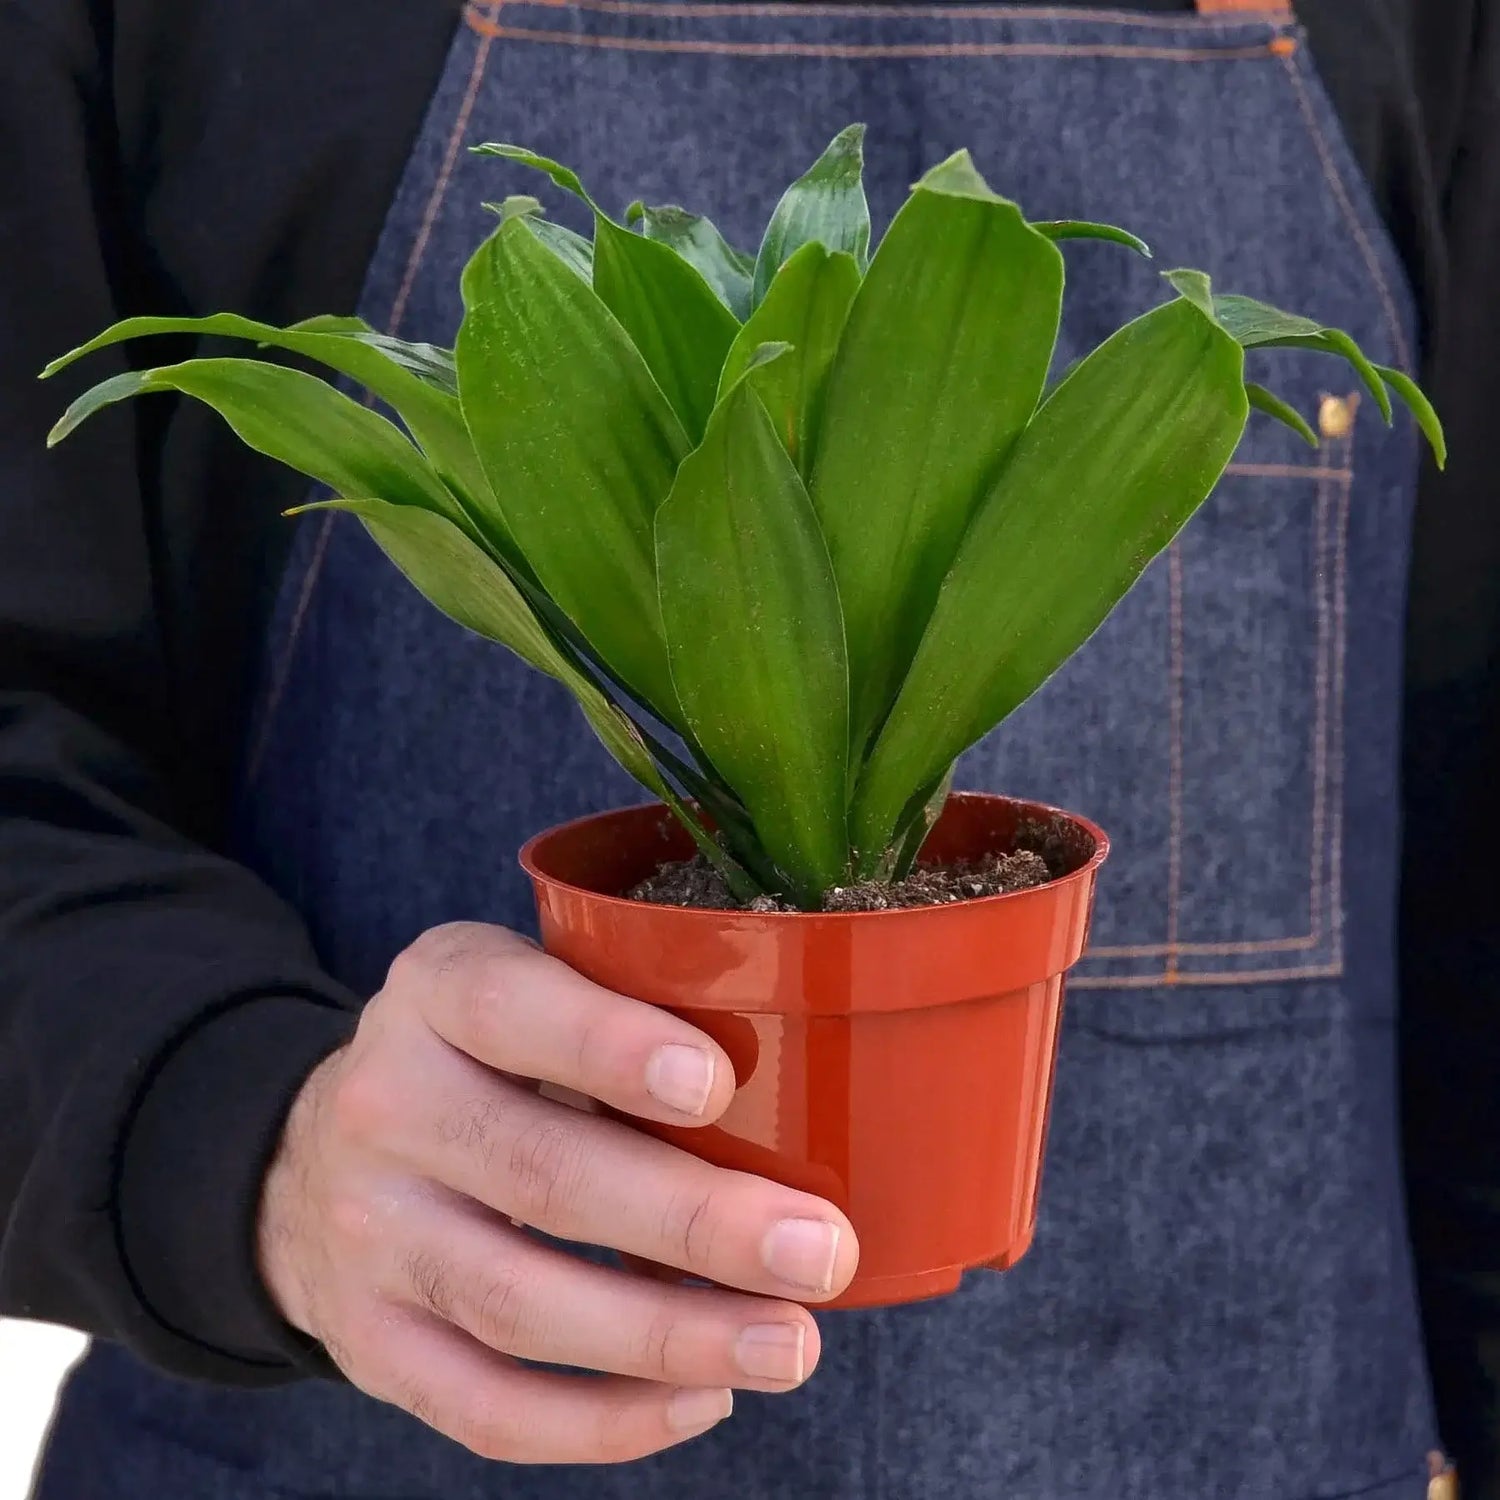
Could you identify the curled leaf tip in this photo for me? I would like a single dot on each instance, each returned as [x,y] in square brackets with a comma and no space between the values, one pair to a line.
[1421,409]
[958,176]
[1193,286]
[1273,406]
[1082,229]
[518,205]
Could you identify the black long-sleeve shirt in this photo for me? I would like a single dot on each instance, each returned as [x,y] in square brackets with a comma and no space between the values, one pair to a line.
[159,1006]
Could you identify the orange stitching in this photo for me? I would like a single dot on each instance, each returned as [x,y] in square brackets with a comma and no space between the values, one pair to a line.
[1289,471]
[1183,980]
[1313,939]
[281,674]
[1174,771]
[1209,950]
[1320,720]
[1340,682]
[1281,8]
[1351,215]
[440,187]
[498,32]
[687,10]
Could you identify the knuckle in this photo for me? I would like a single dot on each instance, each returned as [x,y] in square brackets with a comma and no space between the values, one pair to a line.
[472,1124]
[411,968]
[690,1227]
[351,1222]
[548,1168]
[617,1429]
[419,1401]
[659,1351]
[362,1105]
[486,1000]
[485,1006]
[431,1283]
[504,1315]
[592,1050]
[438,952]
[482,1440]
[607,1039]
[483,1430]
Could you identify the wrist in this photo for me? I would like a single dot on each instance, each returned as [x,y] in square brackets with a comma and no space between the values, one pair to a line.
[281,1227]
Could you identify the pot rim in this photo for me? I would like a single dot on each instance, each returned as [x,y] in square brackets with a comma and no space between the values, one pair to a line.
[1085,872]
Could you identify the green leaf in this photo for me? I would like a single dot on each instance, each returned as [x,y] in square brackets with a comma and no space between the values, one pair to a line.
[728,271]
[1111,467]
[458,578]
[1257,325]
[568,245]
[580,445]
[1273,406]
[409,378]
[756,641]
[909,841]
[941,364]
[1421,408]
[516,206]
[826,204]
[454,575]
[294,418]
[806,307]
[735,829]
[1082,229]
[430,363]
[680,326]
[1195,286]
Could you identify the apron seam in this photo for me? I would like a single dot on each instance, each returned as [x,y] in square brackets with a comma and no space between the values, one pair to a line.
[281,669]
[1329,530]
[1350,214]
[1176,665]
[495,31]
[479,12]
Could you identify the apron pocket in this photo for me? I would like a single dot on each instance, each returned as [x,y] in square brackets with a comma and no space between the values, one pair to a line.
[1203,728]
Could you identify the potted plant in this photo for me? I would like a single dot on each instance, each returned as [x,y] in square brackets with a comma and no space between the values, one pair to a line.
[795,530]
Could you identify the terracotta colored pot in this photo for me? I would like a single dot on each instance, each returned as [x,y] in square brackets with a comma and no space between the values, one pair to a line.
[897,1063]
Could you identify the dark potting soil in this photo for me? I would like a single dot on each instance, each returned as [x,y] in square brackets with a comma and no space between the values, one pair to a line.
[695,882]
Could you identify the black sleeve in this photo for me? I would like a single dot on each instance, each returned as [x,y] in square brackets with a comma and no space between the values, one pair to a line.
[1451,917]
[158,1006]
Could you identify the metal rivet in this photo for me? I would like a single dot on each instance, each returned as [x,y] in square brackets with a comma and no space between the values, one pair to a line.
[1444,1481]
[1335,417]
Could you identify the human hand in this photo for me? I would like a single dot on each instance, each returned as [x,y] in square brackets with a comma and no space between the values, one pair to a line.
[389,1221]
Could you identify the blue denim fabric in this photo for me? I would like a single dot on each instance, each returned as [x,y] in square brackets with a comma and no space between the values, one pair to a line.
[1218,1305]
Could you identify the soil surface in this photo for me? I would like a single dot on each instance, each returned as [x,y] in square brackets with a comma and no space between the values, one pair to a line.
[695,882]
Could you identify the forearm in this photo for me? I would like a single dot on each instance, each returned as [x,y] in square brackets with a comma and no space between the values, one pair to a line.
[158,1010]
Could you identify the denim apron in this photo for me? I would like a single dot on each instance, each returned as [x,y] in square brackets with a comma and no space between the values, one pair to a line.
[1219,1302]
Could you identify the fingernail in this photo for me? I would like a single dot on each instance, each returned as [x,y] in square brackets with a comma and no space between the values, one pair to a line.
[802,1252]
[772,1351]
[680,1077]
[697,1411]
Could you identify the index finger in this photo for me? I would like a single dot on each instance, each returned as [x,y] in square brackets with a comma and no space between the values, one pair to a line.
[504,1002]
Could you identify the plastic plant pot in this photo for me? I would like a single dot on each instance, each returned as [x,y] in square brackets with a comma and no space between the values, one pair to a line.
[898,1063]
